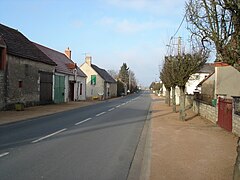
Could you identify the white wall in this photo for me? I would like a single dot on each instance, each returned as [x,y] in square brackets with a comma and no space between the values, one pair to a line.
[193,81]
[92,90]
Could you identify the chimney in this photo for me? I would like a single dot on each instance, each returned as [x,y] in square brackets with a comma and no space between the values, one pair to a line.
[88,60]
[68,53]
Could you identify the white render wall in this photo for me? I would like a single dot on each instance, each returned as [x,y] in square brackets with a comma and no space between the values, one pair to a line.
[193,81]
[92,90]
[227,81]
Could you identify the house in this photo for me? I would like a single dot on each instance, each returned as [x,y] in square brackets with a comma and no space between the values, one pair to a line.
[99,82]
[69,80]
[224,82]
[194,80]
[26,74]
[197,77]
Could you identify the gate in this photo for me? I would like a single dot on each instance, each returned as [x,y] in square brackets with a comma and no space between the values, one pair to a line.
[46,81]
[59,88]
[225,113]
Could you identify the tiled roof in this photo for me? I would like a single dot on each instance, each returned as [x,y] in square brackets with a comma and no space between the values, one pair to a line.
[104,74]
[18,45]
[62,61]
[207,68]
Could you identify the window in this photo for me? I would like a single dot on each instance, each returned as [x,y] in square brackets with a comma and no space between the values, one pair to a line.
[26,70]
[2,58]
[93,79]
[20,84]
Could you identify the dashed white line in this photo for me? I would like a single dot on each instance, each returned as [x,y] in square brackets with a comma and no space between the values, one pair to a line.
[111,109]
[4,154]
[45,137]
[118,106]
[100,114]
[123,104]
[83,121]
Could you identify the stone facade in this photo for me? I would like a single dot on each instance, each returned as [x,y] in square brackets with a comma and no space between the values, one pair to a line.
[1,89]
[206,111]
[22,81]
[236,124]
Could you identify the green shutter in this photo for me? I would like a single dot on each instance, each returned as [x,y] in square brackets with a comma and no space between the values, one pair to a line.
[93,79]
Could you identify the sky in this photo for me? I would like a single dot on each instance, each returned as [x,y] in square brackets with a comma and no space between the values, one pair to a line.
[113,32]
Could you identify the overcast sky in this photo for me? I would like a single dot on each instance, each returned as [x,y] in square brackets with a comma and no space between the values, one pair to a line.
[111,31]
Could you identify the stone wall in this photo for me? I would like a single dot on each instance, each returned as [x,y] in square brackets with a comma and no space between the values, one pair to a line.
[236,124]
[1,89]
[206,111]
[23,81]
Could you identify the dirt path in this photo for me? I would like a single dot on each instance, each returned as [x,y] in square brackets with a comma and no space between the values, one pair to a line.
[195,149]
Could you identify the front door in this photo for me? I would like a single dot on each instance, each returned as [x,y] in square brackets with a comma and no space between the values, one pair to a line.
[71,91]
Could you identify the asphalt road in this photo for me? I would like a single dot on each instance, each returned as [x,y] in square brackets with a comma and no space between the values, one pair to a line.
[94,142]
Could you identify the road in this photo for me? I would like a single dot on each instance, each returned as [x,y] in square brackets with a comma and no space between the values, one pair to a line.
[94,142]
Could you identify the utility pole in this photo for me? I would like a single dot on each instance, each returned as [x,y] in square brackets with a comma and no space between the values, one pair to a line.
[179,45]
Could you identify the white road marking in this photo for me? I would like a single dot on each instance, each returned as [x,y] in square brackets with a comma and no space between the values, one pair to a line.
[4,154]
[100,113]
[45,137]
[118,106]
[123,104]
[111,109]
[83,121]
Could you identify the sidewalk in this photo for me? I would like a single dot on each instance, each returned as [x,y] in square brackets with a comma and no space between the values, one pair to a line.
[38,111]
[195,149]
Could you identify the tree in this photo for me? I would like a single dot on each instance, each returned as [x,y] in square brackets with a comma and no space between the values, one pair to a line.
[210,24]
[132,81]
[164,76]
[113,73]
[170,69]
[186,65]
[232,50]
[124,74]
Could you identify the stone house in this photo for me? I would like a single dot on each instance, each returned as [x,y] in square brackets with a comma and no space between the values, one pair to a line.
[99,82]
[26,74]
[69,80]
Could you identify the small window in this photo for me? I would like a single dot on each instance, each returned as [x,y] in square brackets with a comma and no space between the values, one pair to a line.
[93,79]
[20,84]
[26,70]
[1,59]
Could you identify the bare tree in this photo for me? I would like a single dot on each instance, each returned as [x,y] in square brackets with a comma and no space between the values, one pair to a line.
[187,64]
[211,24]
[170,69]
[164,76]
[113,73]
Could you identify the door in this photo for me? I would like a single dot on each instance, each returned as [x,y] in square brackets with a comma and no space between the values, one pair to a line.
[59,88]
[46,82]
[71,91]
[225,113]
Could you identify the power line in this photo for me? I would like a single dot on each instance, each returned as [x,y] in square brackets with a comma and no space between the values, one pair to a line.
[180,25]
[175,33]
